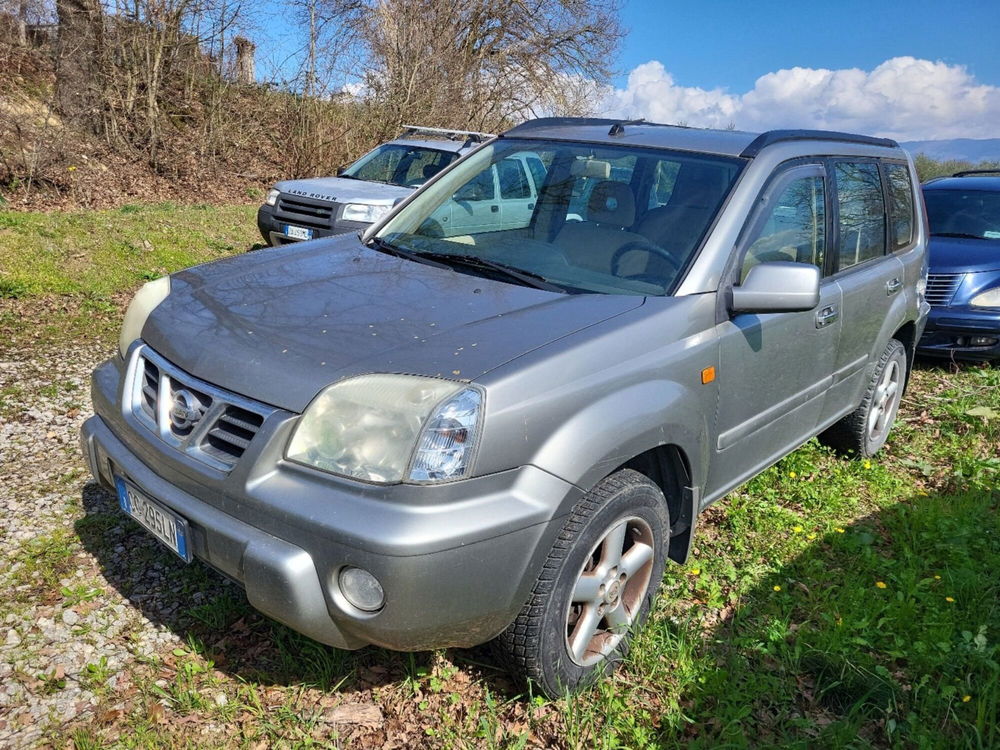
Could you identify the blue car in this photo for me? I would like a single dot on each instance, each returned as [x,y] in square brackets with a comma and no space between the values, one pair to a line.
[963,283]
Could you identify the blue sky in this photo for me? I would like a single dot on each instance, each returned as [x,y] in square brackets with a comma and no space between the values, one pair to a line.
[722,43]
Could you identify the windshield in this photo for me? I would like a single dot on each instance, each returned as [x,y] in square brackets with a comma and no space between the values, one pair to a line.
[964,213]
[399,164]
[578,217]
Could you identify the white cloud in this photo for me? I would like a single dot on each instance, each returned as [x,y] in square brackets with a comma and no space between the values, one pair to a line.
[904,98]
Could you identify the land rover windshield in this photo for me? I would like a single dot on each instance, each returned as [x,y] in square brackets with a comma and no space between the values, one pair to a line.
[575,217]
[400,164]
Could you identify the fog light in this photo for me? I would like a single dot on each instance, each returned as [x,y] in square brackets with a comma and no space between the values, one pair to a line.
[361,589]
[982,340]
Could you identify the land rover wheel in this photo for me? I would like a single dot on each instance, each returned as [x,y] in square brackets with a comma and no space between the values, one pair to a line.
[595,587]
[864,431]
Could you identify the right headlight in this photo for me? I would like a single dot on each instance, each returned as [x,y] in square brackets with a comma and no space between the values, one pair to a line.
[989,298]
[390,428]
[272,196]
[143,303]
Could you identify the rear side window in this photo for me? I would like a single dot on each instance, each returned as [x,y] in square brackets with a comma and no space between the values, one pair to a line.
[793,226]
[513,180]
[862,213]
[538,171]
[900,205]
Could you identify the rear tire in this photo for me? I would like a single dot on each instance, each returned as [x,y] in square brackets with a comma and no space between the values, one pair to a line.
[864,431]
[595,587]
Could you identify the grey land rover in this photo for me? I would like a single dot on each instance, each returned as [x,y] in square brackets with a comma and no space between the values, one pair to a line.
[440,435]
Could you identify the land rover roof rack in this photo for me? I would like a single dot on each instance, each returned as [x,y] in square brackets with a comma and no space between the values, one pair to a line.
[450,134]
[972,172]
[777,136]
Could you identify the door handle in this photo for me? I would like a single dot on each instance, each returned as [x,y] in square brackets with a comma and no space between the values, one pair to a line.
[826,316]
[892,286]
[495,209]
[531,206]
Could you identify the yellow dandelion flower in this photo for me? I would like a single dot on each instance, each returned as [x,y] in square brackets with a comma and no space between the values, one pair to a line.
[777,588]
[839,530]
[868,464]
[922,493]
[840,621]
[937,578]
[797,529]
[695,571]
[949,600]
[966,698]
[71,168]
[792,474]
[880,584]
[810,536]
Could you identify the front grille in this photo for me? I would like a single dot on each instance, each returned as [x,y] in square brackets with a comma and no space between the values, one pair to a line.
[941,288]
[305,212]
[210,424]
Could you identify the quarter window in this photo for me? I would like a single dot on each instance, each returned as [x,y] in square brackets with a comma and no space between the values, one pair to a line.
[793,227]
[901,205]
[862,213]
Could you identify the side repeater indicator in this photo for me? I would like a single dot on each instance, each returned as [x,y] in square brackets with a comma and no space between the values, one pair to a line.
[707,375]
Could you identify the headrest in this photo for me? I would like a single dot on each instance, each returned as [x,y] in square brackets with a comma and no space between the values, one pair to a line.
[592,168]
[611,203]
[430,170]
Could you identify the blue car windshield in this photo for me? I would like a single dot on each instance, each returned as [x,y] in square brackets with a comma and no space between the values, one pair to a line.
[577,217]
[399,164]
[964,213]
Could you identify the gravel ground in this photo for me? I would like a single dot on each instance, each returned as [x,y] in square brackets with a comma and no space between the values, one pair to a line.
[69,629]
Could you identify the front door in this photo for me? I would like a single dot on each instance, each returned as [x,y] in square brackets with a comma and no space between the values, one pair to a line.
[775,369]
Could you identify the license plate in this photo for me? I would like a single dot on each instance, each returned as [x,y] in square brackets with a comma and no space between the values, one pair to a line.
[298,233]
[164,524]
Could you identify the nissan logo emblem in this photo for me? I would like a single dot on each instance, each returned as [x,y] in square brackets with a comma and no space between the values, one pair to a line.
[186,410]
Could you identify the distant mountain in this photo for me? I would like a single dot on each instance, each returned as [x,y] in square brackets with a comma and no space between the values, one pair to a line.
[962,149]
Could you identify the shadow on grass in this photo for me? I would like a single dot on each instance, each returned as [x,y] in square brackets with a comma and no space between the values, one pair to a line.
[212,615]
[883,633]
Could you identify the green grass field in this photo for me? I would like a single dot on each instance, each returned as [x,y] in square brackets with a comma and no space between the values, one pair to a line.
[829,602]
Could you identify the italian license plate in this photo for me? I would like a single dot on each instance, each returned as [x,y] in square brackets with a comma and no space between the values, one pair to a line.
[164,524]
[298,233]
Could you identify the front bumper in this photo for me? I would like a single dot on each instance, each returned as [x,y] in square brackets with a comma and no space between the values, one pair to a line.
[950,330]
[273,227]
[456,561]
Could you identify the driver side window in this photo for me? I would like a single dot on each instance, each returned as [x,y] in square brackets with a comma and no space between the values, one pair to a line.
[792,226]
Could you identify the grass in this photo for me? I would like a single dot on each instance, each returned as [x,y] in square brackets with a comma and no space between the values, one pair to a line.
[828,603]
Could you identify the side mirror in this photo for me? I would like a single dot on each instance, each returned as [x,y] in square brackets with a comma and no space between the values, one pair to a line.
[470,191]
[777,287]
[341,171]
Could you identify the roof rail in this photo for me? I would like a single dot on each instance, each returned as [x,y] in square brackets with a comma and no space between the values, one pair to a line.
[969,172]
[452,135]
[777,136]
[615,126]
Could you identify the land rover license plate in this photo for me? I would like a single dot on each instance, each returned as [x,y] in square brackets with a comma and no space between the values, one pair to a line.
[298,233]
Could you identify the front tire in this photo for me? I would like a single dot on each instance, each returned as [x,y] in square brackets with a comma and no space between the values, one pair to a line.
[595,587]
[864,431]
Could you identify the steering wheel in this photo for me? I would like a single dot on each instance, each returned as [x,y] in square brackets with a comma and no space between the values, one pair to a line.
[648,247]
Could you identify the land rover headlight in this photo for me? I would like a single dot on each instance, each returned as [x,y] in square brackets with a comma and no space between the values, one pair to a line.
[143,303]
[364,213]
[390,428]
[989,298]
[272,196]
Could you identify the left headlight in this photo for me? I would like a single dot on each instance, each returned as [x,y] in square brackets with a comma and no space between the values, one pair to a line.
[143,303]
[989,298]
[390,428]
[272,196]
[364,212]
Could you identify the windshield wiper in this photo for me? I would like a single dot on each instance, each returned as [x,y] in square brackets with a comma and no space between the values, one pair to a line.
[958,234]
[527,278]
[377,243]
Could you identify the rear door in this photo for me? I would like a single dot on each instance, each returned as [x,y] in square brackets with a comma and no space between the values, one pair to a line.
[869,278]
[775,369]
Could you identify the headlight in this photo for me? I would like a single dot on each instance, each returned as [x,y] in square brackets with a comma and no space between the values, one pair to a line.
[989,298]
[272,196]
[143,303]
[363,212]
[387,428]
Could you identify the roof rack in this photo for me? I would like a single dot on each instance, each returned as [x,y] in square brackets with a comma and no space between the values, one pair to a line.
[970,172]
[615,127]
[452,135]
[777,136]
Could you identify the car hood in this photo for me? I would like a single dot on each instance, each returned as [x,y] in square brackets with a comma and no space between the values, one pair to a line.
[344,190]
[280,325]
[961,255]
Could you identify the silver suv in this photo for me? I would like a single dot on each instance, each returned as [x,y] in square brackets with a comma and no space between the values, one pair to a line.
[446,433]
[363,192]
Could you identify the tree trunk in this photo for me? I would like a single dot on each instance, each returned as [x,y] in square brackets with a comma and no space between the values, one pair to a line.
[78,48]
[245,49]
